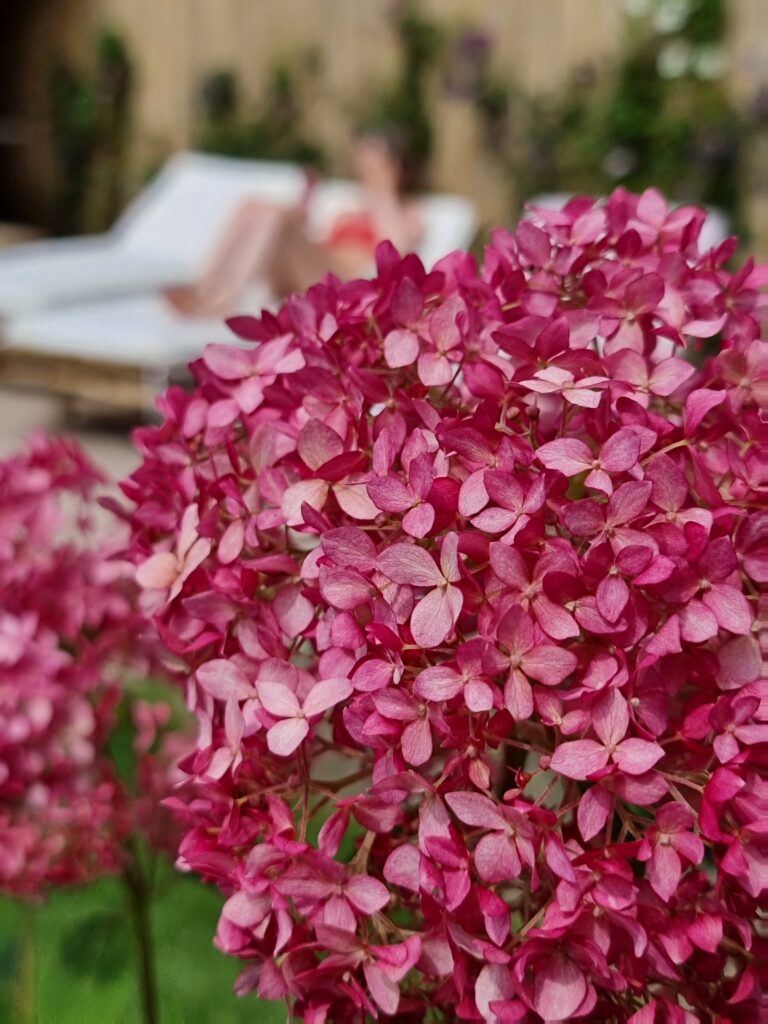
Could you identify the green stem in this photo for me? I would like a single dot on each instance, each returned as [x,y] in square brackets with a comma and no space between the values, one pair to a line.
[138,891]
[24,989]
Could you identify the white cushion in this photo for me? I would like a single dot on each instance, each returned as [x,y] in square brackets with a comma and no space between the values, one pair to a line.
[142,331]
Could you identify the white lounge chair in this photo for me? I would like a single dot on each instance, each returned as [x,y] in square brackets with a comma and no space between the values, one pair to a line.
[138,339]
[166,236]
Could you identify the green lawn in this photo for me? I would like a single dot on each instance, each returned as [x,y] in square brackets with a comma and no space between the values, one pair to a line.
[73,961]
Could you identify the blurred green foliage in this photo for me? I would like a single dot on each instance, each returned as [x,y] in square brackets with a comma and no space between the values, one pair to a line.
[90,120]
[660,117]
[273,132]
[73,960]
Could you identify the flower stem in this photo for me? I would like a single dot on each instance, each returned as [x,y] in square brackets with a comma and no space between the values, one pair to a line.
[24,989]
[138,890]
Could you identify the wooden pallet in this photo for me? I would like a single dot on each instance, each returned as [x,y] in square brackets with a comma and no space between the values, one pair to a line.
[114,385]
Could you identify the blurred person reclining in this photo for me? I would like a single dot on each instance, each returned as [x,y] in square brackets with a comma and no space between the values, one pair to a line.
[271,244]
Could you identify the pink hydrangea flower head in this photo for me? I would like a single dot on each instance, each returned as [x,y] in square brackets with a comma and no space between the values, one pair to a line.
[464,568]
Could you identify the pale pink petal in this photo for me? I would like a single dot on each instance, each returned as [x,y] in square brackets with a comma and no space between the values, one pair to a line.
[669,375]
[493,985]
[311,492]
[435,616]
[325,694]
[230,362]
[416,742]
[419,521]
[697,405]
[390,494]
[473,494]
[620,452]
[593,810]
[292,610]
[636,756]
[438,683]
[549,664]
[559,989]
[278,699]
[518,696]
[286,736]
[224,680]
[610,715]
[352,496]
[584,397]
[554,619]
[663,871]
[567,455]
[344,588]
[478,696]
[402,867]
[449,558]
[579,759]
[318,444]
[408,563]
[385,992]
[231,543]
[434,369]
[401,348]
[497,859]
[494,520]
[476,809]
[366,893]
[159,571]
[730,608]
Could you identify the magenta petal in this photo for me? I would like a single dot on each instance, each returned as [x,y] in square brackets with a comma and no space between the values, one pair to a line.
[612,595]
[579,759]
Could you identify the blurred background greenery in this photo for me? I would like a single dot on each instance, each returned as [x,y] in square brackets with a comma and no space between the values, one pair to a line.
[74,960]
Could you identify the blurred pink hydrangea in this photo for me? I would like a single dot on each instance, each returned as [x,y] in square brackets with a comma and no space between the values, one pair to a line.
[464,566]
[69,633]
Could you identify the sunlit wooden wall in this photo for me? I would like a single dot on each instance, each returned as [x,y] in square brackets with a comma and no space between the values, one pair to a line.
[175,43]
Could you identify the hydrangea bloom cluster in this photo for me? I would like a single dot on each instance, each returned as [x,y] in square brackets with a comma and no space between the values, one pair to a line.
[465,569]
[68,628]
